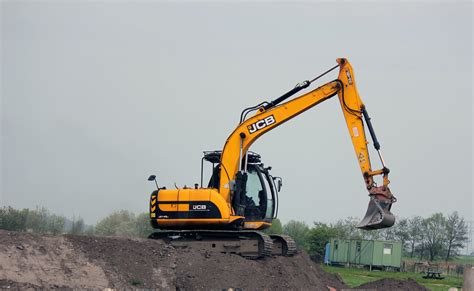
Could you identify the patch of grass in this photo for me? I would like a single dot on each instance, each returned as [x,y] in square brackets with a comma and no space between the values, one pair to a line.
[460,260]
[135,282]
[464,260]
[354,277]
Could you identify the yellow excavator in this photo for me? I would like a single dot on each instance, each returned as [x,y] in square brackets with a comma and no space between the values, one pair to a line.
[241,197]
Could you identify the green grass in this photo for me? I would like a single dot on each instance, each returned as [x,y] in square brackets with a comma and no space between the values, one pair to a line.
[135,282]
[462,260]
[355,277]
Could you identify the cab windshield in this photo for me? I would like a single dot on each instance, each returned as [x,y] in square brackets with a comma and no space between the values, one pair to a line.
[260,195]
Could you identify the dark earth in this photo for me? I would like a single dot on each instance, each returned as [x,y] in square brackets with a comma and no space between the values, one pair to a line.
[33,261]
[393,285]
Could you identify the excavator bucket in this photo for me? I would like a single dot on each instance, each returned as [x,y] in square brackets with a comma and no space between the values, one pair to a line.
[378,213]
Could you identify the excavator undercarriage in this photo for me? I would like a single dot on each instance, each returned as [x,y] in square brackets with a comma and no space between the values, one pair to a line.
[248,244]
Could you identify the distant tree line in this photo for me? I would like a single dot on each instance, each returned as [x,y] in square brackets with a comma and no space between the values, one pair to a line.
[431,238]
[40,220]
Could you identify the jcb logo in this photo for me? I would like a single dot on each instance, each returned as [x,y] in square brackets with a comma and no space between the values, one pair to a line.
[261,124]
[199,207]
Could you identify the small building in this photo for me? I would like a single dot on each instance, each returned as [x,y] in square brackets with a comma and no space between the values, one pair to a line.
[370,253]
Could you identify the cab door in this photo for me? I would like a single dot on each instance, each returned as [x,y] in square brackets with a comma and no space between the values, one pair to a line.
[255,196]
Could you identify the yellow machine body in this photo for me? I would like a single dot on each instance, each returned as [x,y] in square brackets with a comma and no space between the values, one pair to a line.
[191,208]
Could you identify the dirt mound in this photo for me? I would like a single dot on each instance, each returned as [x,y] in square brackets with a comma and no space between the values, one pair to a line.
[231,271]
[36,261]
[393,285]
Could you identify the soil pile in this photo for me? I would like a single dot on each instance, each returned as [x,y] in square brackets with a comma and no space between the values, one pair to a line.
[38,261]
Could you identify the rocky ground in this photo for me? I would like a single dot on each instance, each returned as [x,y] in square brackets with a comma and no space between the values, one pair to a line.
[32,261]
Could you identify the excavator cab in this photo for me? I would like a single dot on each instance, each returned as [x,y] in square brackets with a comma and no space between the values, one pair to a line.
[260,202]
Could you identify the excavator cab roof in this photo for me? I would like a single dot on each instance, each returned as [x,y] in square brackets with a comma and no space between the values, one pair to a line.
[215,157]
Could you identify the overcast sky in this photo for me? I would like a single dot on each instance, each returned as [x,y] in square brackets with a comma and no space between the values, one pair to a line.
[98,95]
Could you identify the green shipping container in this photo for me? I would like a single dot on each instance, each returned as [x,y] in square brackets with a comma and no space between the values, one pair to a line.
[372,253]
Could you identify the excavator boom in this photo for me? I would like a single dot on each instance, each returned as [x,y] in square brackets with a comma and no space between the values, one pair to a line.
[273,114]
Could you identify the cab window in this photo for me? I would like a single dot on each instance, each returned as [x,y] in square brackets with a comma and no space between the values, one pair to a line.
[269,213]
[255,196]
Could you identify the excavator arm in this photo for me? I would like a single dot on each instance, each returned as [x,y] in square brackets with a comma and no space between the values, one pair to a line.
[272,114]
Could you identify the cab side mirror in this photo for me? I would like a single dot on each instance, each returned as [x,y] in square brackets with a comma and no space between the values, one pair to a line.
[153,178]
[279,183]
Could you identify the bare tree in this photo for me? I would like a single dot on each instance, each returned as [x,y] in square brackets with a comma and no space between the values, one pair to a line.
[77,226]
[389,233]
[349,227]
[456,234]
[434,232]
[401,233]
[37,220]
[56,224]
[414,228]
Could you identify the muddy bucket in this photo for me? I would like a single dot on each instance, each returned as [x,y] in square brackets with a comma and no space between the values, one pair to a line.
[378,213]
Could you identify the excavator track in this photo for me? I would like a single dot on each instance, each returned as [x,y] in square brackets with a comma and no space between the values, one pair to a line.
[248,244]
[283,245]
